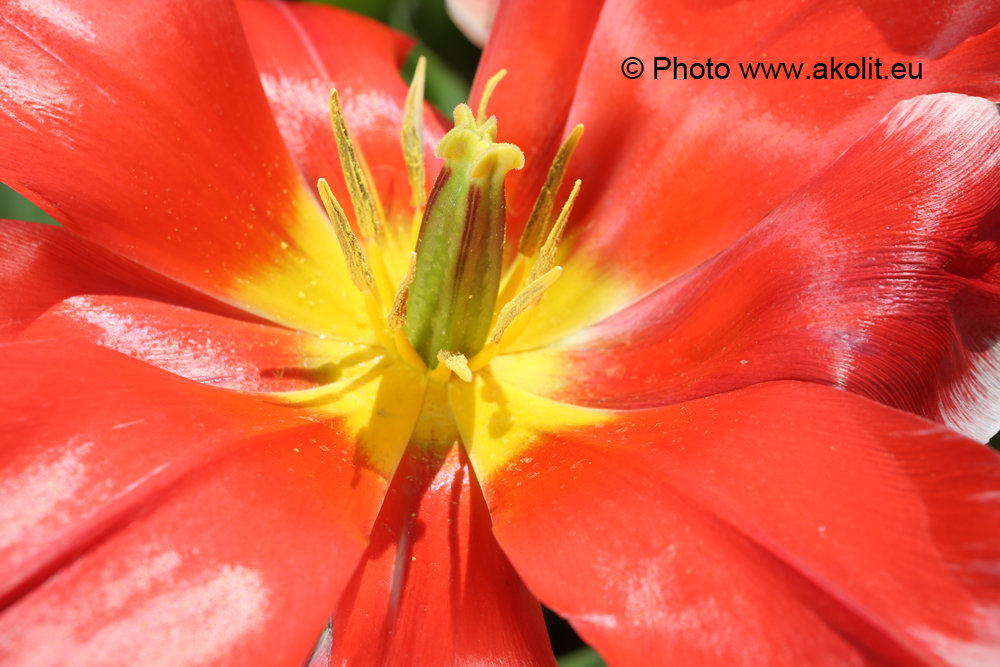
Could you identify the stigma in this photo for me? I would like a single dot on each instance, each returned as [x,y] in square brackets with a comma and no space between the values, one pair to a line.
[458,305]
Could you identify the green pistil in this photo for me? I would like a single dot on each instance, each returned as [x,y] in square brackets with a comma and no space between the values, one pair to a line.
[460,247]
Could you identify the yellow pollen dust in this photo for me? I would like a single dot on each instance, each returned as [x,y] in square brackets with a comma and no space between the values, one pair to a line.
[525,281]
[354,173]
[397,316]
[412,136]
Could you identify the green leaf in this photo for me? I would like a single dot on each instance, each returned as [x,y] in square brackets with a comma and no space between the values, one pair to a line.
[583,657]
[15,207]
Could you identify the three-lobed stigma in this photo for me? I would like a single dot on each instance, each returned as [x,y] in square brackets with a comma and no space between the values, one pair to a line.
[458,305]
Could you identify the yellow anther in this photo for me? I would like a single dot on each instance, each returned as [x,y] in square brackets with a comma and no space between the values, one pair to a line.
[547,255]
[397,316]
[536,229]
[357,262]
[528,297]
[491,84]
[456,363]
[413,135]
[357,183]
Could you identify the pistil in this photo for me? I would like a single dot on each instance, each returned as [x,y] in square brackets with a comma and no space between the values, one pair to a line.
[449,315]
[460,246]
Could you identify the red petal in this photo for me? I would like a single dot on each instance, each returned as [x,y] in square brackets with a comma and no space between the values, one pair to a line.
[542,45]
[238,565]
[147,503]
[304,50]
[784,523]
[40,265]
[146,129]
[199,346]
[675,170]
[435,589]
[879,276]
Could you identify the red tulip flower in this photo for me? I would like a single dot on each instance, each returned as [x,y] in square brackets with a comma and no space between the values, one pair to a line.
[721,402]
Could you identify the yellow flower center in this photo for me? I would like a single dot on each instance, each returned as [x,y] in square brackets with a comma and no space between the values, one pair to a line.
[450,313]
[439,330]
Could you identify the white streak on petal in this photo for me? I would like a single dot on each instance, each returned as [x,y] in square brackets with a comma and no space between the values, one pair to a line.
[36,494]
[155,568]
[155,619]
[978,651]
[200,622]
[61,17]
[600,620]
[41,97]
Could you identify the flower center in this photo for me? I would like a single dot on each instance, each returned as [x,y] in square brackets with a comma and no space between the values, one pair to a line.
[457,306]
[456,281]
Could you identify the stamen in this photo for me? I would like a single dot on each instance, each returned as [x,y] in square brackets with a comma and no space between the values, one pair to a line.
[491,84]
[407,352]
[528,297]
[413,135]
[397,316]
[357,183]
[512,282]
[357,262]
[537,226]
[547,255]
[457,363]
[312,396]
[384,285]
[352,375]
[509,313]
